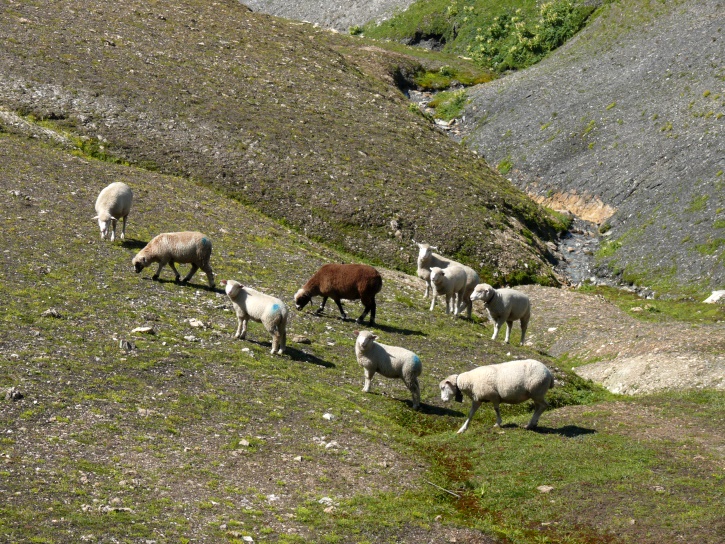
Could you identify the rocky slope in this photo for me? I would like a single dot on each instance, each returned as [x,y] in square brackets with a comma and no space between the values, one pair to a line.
[625,126]
[338,15]
[291,119]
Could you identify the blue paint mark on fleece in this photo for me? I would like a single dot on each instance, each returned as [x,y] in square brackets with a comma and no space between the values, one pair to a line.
[416,359]
[275,308]
[204,241]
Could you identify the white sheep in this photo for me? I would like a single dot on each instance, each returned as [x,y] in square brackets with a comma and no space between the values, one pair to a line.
[504,306]
[451,282]
[113,203]
[511,383]
[390,361]
[177,247]
[472,279]
[251,304]
[427,260]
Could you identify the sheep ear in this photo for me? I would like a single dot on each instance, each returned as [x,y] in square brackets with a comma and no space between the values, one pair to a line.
[375,336]
[356,333]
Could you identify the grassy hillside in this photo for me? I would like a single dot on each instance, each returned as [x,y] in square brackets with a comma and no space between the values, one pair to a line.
[187,435]
[281,116]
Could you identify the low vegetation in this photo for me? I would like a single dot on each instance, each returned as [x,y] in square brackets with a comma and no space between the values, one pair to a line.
[502,36]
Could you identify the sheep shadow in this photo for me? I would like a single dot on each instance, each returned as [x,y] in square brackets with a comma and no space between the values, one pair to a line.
[293,353]
[398,330]
[131,243]
[434,410]
[567,431]
[366,323]
[301,356]
[188,284]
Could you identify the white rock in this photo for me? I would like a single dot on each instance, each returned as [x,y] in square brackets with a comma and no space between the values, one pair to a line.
[545,488]
[716,296]
[328,416]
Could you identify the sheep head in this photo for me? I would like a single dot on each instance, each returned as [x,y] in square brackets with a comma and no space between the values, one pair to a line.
[302,299]
[232,288]
[424,253]
[436,275]
[364,339]
[105,221]
[449,389]
[484,292]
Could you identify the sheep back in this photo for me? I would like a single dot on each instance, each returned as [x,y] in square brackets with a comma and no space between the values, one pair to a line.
[348,281]
[114,201]
[512,382]
[451,279]
[389,361]
[509,304]
[179,247]
[260,307]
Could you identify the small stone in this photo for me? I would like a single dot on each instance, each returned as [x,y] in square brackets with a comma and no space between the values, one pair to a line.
[13,394]
[244,443]
[299,339]
[332,444]
[545,488]
[126,345]
[197,324]
[51,312]
[191,338]
[298,458]
[328,416]
[143,330]
[247,539]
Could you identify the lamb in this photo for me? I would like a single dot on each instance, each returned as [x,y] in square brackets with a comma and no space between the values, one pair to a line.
[113,203]
[427,260]
[451,282]
[390,361]
[250,304]
[504,306]
[512,383]
[177,247]
[338,281]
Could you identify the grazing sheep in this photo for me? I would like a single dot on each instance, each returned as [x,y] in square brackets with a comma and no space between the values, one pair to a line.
[451,282]
[250,304]
[427,260]
[390,361]
[338,281]
[511,383]
[177,247]
[504,306]
[113,203]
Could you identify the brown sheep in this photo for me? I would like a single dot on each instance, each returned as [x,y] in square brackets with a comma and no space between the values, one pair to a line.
[338,281]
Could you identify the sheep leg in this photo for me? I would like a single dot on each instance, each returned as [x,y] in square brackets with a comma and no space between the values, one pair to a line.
[427,289]
[414,388]
[524,326]
[282,344]
[498,415]
[123,231]
[275,342]
[342,312]
[540,407]
[474,406]
[176,272]
[496,327]
[113,230]
[161,265]
[209,275]
[509,326]
[433,293]
[191,273]
[241,328]
[322,306]
[362,316]
[368,380]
